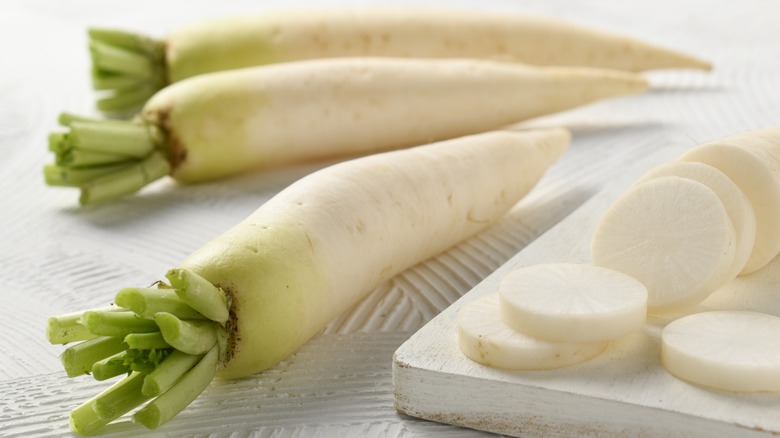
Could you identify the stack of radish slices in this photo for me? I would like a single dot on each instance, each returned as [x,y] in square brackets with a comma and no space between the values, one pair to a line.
[550,316]
[682,231]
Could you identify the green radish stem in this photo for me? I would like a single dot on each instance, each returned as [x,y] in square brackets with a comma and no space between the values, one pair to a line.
[118,60]
[111,366]
[67,328]
[77,158]
[123,99]
[106,159]
[79,358]
[170,350]
[120,398]
[200,294]
[66,176]
[146,302]
[116,323]
[145,361]
[128,67]
[193,337]
[125,181]
[109,405]
[85,421]
[146,341]
[124,139]
[169,372]
[178,397]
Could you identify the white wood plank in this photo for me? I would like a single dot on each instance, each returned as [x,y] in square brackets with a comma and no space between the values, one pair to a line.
[624,391]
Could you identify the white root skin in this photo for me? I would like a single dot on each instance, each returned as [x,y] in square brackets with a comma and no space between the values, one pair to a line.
[674,235]
[485,339]
[229,43]
[569,302]
[752,161]
[311,252]
[737,205]
[224,123]
[726,350]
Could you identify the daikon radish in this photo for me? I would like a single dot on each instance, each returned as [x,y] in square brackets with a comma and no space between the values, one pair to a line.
[221,124]
[485,339]
[130,68]
[570,302]
[737,205]
[727,350]
[752,161]
[251,297]
[674,235]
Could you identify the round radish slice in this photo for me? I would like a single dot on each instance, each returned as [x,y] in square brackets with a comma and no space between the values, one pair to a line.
[752,161]
[729,350]
[738,207]
[569,302]
[673,234]
[483,338]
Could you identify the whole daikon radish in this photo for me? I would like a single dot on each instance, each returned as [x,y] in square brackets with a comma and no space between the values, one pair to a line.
[134,67]
[251,297]
[225,123]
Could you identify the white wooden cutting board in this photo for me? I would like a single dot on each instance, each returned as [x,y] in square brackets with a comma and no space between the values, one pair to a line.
[623,392]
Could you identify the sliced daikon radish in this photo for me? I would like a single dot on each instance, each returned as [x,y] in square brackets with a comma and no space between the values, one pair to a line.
[729,350]
[483,338]
[570,302]
[752,161]
[738,207]
[673,234]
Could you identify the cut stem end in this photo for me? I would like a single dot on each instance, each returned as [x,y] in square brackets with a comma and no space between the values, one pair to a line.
[127,69]
[106,159]
[168,351]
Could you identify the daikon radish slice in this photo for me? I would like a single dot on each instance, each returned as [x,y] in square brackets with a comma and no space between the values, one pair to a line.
[728,350]
[752,161]
[738,207]
[673,234]
[570,302]
[483,338]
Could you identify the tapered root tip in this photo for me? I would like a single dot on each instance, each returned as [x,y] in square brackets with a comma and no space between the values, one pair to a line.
[682,60]
[555,142]
[631,83]
[701,64]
